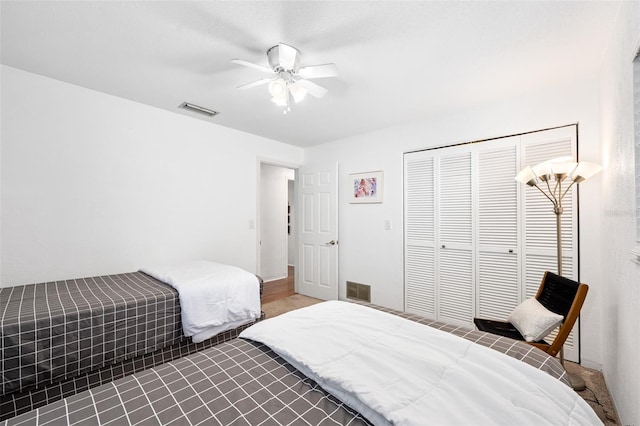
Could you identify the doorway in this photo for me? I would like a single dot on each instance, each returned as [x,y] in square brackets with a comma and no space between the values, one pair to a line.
[277,254]
[313,227]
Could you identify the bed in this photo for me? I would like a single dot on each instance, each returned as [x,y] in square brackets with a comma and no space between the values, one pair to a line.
[246,382]
[63,337]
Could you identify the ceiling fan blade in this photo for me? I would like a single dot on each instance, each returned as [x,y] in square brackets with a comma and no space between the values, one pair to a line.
[313,89]
[318,71]
[287,56]
[251,65]
[255,83]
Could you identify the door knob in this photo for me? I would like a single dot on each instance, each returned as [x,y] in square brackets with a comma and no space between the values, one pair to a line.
[331,243]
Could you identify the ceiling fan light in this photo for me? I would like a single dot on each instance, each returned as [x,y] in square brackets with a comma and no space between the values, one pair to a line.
[278,88]
[298,92]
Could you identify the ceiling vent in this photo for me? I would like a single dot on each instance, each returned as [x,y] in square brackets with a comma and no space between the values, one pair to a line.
[200,110]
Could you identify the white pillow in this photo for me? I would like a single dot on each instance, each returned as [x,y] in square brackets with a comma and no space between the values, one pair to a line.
[533,320]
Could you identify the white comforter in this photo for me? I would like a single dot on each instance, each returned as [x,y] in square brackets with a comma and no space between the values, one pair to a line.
[213,297]
[396,371]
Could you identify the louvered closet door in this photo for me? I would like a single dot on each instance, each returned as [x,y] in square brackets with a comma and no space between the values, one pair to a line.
[476,241]
[454,236]
[498,259]
[540,222]
[419,232]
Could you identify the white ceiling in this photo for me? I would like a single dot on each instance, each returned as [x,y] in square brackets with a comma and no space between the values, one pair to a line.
[397,61]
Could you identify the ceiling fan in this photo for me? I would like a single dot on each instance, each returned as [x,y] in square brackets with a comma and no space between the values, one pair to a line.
[288,79]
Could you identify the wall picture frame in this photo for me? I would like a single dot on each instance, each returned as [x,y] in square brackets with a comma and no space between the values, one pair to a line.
[366,187]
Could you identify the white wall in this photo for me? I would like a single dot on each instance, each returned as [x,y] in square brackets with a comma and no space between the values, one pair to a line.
[94,184]
[274,194]
[371,255]
[621,298]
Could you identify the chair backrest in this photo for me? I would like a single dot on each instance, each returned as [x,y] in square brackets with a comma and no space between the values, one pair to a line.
[565,297]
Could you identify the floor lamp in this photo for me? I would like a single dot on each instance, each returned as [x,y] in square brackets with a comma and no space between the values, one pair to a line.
[548,177]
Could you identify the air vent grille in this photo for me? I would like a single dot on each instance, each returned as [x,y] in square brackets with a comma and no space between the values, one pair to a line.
[358,291]
[198,109]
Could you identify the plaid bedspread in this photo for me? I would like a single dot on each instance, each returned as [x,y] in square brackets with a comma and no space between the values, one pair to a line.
[17,403]
[51,331]
[235,383]
[239,382]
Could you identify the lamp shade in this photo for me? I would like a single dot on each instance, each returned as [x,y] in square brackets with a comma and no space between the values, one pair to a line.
[527,176]
[584,170]
[543,171]
[562,166]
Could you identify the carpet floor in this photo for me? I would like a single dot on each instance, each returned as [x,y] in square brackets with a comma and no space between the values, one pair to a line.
[596,393]
[280,306]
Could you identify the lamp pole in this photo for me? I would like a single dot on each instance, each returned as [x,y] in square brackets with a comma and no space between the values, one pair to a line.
[558,211]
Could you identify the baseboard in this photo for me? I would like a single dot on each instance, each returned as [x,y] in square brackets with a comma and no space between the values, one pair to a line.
[590,364]
[275,279]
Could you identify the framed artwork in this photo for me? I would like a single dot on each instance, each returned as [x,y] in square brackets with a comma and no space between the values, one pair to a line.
[365,187]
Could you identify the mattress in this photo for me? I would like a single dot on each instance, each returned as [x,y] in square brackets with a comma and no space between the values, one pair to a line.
[55,330]
[237,382]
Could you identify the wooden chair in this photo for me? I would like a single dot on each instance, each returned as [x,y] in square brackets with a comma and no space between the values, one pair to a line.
[558,294]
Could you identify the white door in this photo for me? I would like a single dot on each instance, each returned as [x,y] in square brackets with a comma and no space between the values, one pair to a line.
[317,269]
[498,284]
[420,234]
[454,237]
